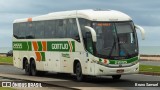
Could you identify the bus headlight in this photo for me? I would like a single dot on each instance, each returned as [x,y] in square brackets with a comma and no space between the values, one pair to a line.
[102,63]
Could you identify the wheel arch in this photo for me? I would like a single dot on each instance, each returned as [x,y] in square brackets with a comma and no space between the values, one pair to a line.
[74,64]
[24,60]
[31,59]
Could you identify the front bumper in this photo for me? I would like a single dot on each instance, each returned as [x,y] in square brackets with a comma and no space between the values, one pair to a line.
[103,70]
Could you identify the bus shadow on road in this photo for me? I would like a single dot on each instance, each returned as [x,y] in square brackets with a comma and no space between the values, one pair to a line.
[106,81]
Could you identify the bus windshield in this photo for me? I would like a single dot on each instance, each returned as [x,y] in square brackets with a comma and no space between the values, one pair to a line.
[116,40]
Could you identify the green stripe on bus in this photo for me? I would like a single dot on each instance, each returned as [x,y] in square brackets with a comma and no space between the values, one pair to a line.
[39,46]
[43,56]
[127,60]
[21,46]
[59,46]
[73,46]
[29,46]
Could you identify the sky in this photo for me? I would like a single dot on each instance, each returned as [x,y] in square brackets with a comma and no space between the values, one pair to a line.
[145,13]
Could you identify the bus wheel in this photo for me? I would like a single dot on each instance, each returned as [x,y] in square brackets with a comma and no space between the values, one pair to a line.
[34,71]
[27,68]
[79,74]
[116,77]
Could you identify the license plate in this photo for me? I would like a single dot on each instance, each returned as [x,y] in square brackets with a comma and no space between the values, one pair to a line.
[120,70]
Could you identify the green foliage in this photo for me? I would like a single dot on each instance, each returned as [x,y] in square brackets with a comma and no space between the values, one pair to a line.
[148,68]
[7,60]
[6,88]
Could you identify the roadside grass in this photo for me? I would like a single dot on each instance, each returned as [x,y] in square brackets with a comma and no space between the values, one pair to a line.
[6,60]
[6,88]
[149,68]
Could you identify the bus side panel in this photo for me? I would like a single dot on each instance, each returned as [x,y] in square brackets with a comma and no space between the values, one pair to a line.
[89,65]
[40,65]
[54,63]
[48,62]
[16,59]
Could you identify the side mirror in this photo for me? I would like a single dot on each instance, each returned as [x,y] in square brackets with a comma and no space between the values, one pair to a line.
[142,31]
[93,33]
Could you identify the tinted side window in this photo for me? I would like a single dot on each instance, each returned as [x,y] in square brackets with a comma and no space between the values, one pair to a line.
[30,32]
[15,30]
[72,29]
[83,23]
[50,29]
[39,29]
[22,30]
[87,39]
[61,28]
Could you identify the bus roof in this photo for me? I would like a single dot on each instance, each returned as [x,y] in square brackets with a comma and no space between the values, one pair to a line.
[90,14]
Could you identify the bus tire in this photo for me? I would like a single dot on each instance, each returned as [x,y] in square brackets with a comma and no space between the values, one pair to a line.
[33,70]
[27,67]
[79,75]
[116,77]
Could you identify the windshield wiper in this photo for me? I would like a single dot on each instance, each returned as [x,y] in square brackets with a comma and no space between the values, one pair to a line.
[114,45]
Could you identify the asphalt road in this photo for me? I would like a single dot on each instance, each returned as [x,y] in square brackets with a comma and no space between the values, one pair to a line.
[126,82]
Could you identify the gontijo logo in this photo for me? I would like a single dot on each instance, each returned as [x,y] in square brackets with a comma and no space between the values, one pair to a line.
[59,46]
[63,46]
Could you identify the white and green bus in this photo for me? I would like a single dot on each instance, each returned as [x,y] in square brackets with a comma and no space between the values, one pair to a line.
[80,42]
